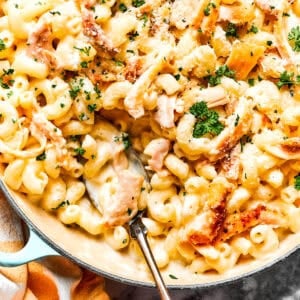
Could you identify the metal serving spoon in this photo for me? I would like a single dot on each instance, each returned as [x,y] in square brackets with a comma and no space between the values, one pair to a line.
[138,230]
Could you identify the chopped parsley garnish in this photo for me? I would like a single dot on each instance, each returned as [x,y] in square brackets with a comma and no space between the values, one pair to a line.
[62,204]
[231,30]
[132,35]
[287,79]
[269,43]
[85,50]
[138,3]
[41,157]
[129,211]
[75,138]
[251,81]
[206,10]
[243,140]
[122,7]
[75,88]
[118,62]
[172,276]
[294,36]
[92,107]
[123,138]
[297,182]
[144,18]
[97,91]
[2,45]
[236,122]
[84,64]
[55,13]
[207,120]
[8,71]
[253,29]
[220,72]
[177,76]
[79,151]
[83,117]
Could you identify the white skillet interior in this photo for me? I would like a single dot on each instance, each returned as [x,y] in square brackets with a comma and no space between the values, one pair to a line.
[96,255]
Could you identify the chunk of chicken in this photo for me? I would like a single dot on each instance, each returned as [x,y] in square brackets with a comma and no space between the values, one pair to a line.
[122,206]
[205,227]
[40,45]
[165,111]
[94,31]
[157,149]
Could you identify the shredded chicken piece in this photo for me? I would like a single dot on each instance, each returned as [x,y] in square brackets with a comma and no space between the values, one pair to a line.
[283,46]
[182,13]
[133,69]
[165,111]
[271,7]
[271,65]
[231,163]
[213,96]
[46,128]
[205,227]
[291,148]
[40,45]
[157,149]
[94,31]
[238,126]
[134,100]
[243,221]
[123,204]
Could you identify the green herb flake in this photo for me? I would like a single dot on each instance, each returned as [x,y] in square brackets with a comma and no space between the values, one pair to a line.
[207,9]
[122,7]
[207,120]
[253,29]
[236,122]
[62,204]
[41,157]
[129,211]
[177,76]
[79,151]
[244,140]
[285,79]
[84,64]
[132,35]
[138,3]
[231,30]
[251,81]
[297,182]
[269,43]
[124,138]
[172,276]
[144,18]
[214,80]
[83,117]
[55,13]
[75,88]
[85,50]
[92,107]
[294,37]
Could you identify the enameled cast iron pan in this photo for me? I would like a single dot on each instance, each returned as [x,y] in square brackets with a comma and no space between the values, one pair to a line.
[48,236]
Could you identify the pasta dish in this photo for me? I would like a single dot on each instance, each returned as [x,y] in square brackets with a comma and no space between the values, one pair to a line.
[206,91]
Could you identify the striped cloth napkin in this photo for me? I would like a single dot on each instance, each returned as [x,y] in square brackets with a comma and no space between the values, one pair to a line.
[54,278]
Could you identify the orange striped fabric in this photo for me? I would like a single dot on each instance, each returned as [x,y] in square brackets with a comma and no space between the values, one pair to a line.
[54,278]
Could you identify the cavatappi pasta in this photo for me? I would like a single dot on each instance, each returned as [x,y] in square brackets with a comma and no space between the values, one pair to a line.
[207,91]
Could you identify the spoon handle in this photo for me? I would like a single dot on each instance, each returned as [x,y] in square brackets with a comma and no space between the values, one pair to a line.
[138,231]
